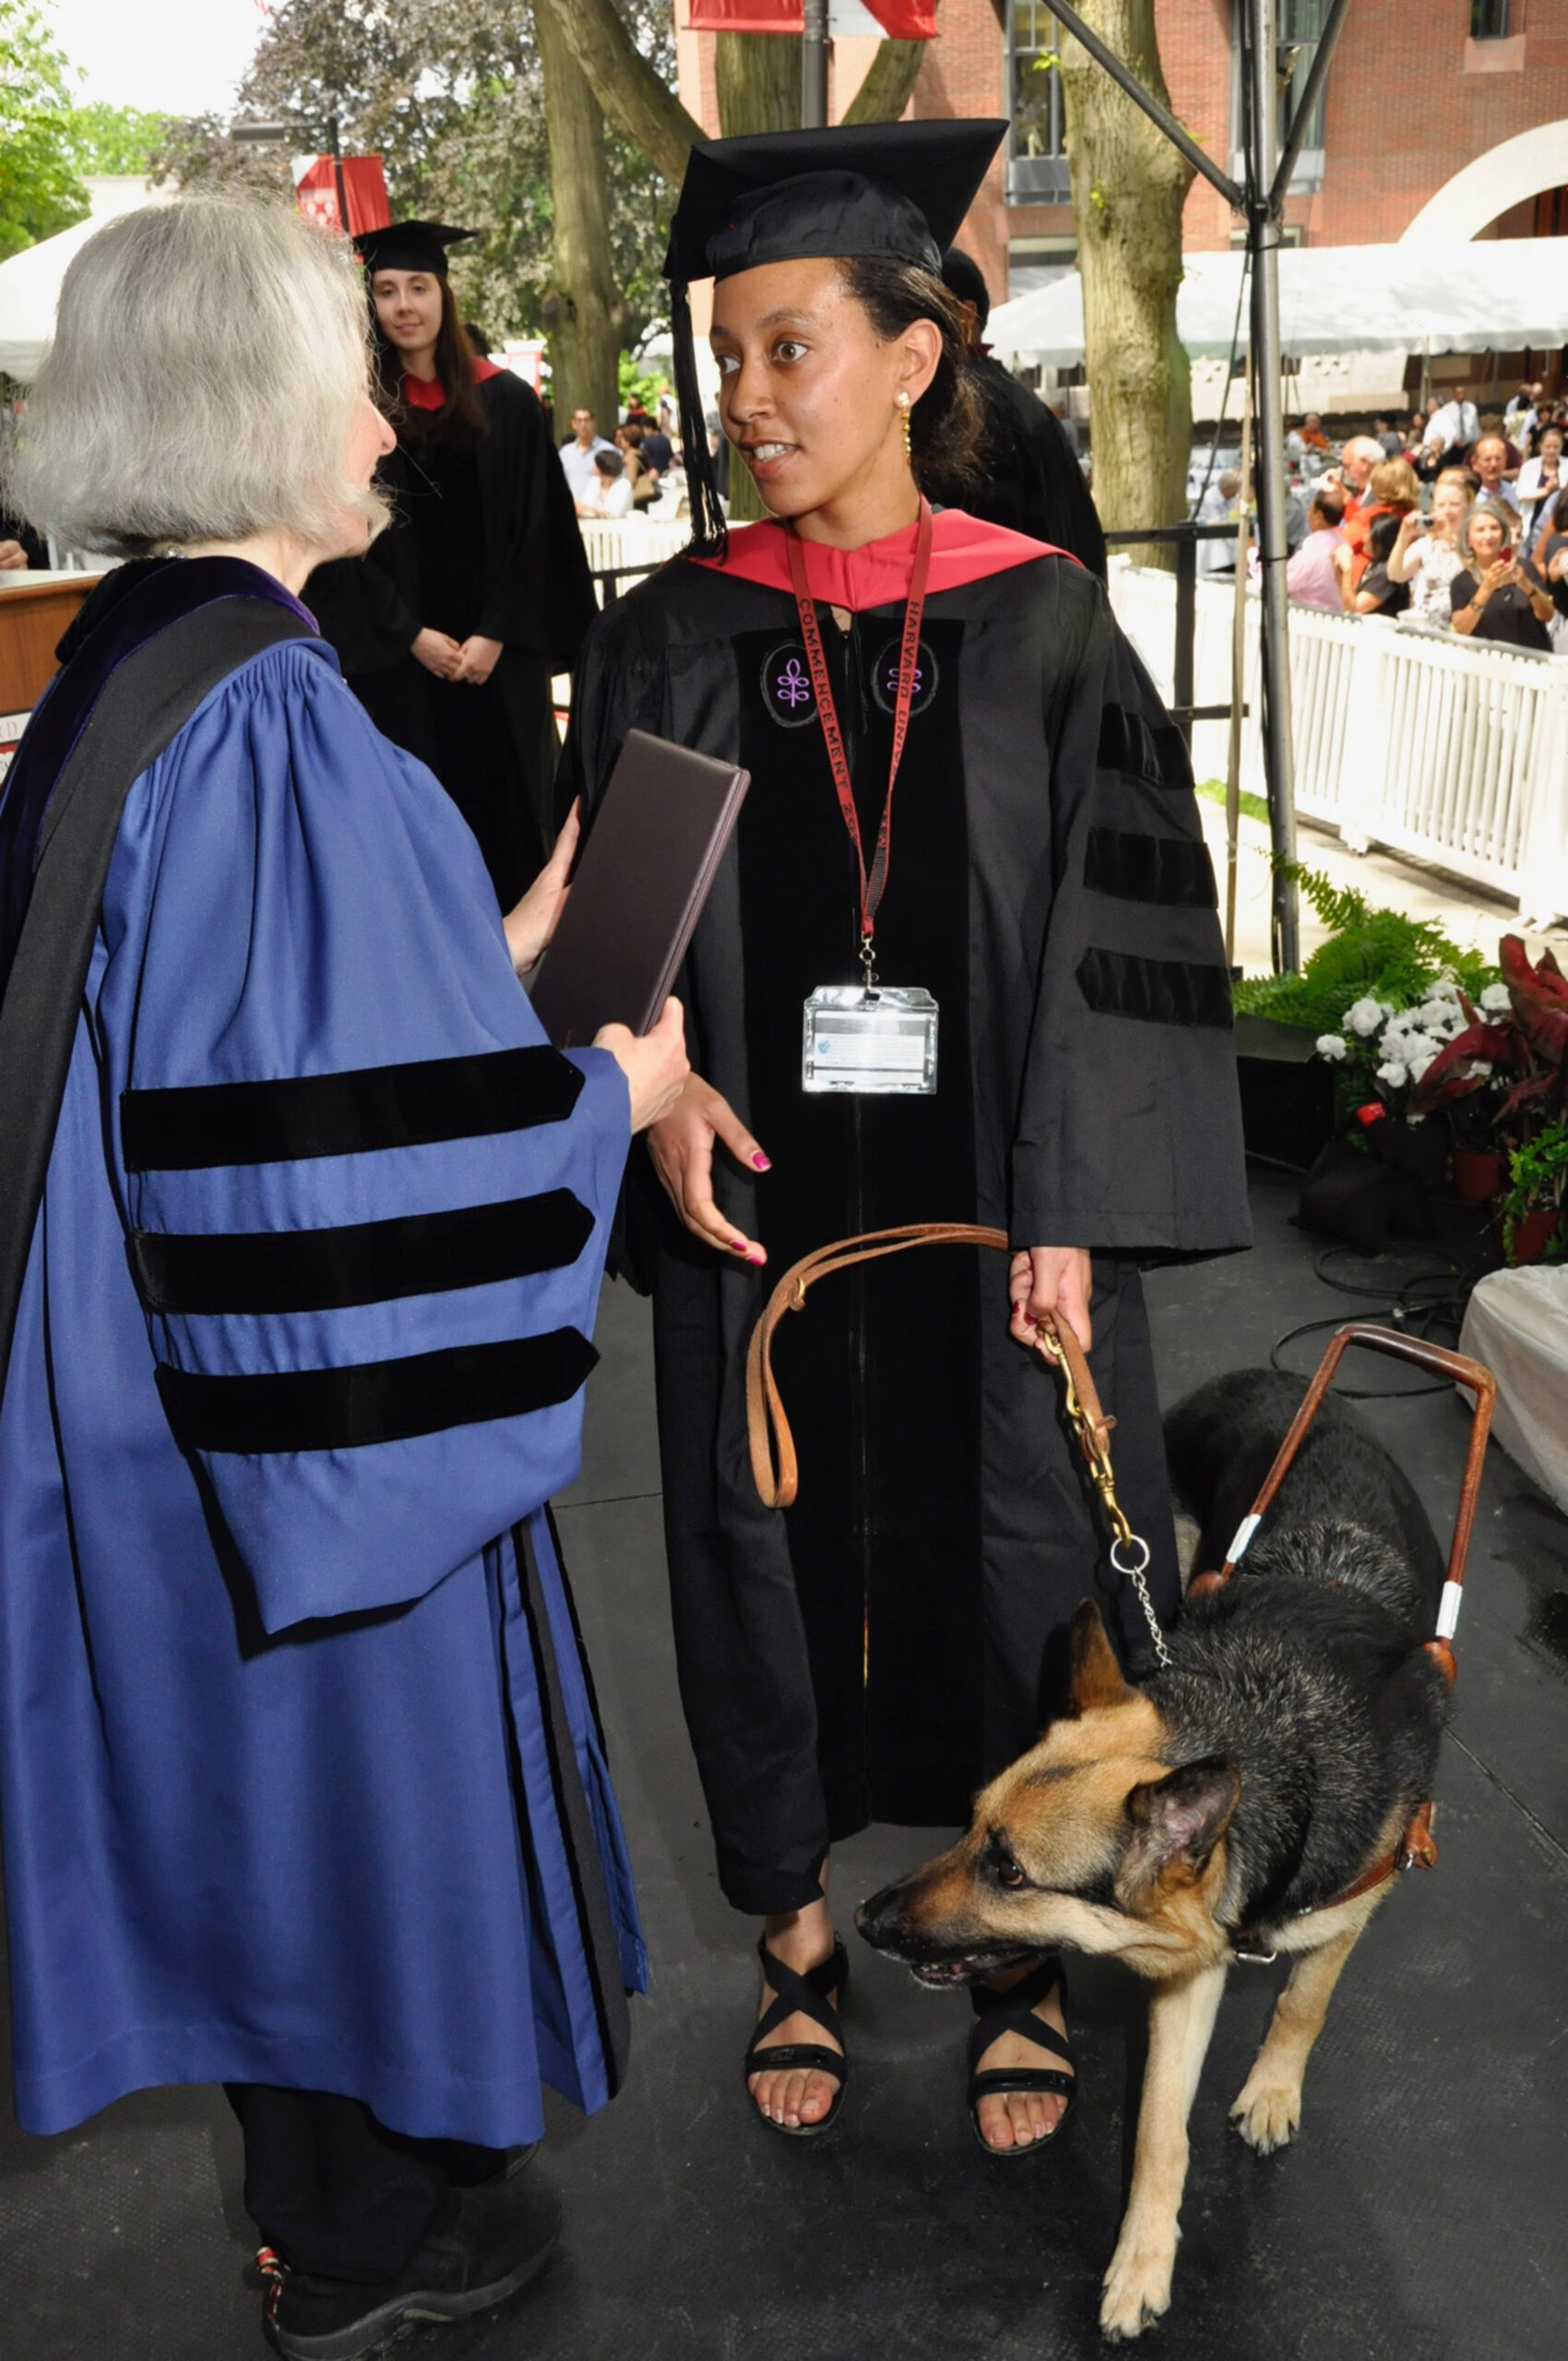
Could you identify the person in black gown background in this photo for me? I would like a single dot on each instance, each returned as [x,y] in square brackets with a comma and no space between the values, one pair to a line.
[449,631]
[1026,477]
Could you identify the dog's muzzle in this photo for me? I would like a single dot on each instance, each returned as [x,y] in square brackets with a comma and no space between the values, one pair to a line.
[886,1924]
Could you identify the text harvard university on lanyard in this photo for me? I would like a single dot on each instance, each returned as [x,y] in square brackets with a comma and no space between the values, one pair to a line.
[868,1036]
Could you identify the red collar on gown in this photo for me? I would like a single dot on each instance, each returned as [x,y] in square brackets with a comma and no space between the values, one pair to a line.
[428,393]
[877,574]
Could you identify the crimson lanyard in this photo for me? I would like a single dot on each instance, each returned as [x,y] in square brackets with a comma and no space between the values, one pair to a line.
[873,887]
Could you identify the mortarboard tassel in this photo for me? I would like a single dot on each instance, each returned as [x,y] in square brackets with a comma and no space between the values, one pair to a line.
[710,533]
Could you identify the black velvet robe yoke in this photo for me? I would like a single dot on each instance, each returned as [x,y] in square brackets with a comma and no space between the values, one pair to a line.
[887,1644]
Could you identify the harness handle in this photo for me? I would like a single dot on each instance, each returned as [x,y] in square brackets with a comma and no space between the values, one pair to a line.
[1471,1374]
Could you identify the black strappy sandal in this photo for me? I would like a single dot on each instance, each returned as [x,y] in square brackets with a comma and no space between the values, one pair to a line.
[1013,2011]
[803,1996]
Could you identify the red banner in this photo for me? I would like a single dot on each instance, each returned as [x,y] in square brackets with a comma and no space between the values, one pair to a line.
[364,187]
[899,20]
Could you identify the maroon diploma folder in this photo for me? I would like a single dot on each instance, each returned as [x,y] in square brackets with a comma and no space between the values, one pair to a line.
[638,890]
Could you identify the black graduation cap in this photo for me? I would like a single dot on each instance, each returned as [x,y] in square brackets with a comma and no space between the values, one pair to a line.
[894,190]
[410,246]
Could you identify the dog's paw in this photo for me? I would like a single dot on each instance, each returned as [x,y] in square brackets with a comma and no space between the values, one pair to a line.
[1137,2288]
[1267,2114]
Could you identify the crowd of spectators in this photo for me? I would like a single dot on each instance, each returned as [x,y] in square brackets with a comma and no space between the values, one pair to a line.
[1456,518]
[635,475]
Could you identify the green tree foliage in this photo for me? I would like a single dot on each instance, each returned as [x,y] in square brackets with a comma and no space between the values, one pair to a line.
[40,188]
[452,99]
[116,139]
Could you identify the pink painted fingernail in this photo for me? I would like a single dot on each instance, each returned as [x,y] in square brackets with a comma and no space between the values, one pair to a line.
[757,1259]
[763,1163]
[739,1246]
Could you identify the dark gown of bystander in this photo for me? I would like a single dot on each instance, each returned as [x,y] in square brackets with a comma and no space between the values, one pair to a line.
[484,541]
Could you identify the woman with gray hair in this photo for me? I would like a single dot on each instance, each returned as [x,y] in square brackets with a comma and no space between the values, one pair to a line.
[301,1224]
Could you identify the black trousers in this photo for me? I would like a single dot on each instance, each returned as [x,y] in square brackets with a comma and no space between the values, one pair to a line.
[334,2193]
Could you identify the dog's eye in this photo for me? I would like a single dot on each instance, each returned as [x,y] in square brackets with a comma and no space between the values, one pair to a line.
[1010,1875]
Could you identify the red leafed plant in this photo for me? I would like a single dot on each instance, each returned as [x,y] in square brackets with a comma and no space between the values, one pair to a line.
[1522,1056]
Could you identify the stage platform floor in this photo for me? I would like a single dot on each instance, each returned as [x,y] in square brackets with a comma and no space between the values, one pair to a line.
[1419,2216]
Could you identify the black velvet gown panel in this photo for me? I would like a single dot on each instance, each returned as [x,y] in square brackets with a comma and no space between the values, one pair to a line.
[882,1372]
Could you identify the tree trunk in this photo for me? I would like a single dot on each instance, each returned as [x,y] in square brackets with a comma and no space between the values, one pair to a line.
[889,84]
[757,77]
[583,309]
[634,96]
[1129,186]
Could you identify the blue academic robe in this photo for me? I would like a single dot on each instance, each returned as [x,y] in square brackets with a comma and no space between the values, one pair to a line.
[297,1364]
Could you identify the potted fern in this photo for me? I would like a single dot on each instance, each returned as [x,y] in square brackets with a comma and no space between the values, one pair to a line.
[1315,1047]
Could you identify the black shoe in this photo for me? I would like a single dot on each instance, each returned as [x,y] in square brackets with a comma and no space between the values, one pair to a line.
[493,2241]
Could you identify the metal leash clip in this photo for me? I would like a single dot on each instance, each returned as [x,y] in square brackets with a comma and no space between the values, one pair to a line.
[1131,1546]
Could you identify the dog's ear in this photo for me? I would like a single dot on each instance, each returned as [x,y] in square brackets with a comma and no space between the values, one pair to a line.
[1096,1676]
[1175,1822]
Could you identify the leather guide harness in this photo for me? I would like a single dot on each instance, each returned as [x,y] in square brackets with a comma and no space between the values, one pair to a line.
[777,1473]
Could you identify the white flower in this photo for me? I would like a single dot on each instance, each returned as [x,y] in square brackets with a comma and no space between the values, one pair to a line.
[1333,1044]
[1444,989]
[1364,1016]
[1419,1063]
[1395,1075]
[1437,1015]
[1495,997]
[1480,1066]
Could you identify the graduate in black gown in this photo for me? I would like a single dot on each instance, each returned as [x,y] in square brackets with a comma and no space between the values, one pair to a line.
[1029,476]
[449,631]
[881,1647]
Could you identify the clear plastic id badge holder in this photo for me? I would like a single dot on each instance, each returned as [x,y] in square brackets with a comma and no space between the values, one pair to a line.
[874,1040]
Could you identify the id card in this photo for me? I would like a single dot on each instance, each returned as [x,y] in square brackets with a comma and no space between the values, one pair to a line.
[874,1040]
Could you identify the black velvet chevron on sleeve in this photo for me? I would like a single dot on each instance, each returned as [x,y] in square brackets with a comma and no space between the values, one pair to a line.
[1142,748]
[208,1124]
[374,1402]
[1156,991]
[1174,871]
[367,1261]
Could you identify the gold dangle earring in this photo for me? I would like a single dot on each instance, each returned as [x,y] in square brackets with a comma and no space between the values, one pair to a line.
[903,413]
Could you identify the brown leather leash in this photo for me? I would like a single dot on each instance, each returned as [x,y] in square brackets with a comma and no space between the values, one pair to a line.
[774,1465]
[777,1471]
[1417,1848]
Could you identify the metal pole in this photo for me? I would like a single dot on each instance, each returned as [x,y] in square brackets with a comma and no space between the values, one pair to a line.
[332,135]
[1317,76]
[1186,631]
[814,45]
[1264,224]
[1124,75]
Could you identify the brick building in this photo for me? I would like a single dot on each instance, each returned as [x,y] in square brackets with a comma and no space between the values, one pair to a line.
[1454,113]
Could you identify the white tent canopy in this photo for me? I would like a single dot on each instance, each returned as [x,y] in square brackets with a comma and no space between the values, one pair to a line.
[29,281]
[1499,295]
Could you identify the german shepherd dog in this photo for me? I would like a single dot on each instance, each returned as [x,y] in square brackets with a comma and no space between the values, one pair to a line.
[1224,1803]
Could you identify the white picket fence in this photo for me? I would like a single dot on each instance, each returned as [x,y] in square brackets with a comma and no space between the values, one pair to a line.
[1450,751]
[629,542]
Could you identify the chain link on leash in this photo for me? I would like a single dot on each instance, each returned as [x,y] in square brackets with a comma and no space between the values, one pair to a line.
[1127,1545]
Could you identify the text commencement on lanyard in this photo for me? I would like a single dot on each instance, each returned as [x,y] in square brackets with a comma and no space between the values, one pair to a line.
[872,886]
